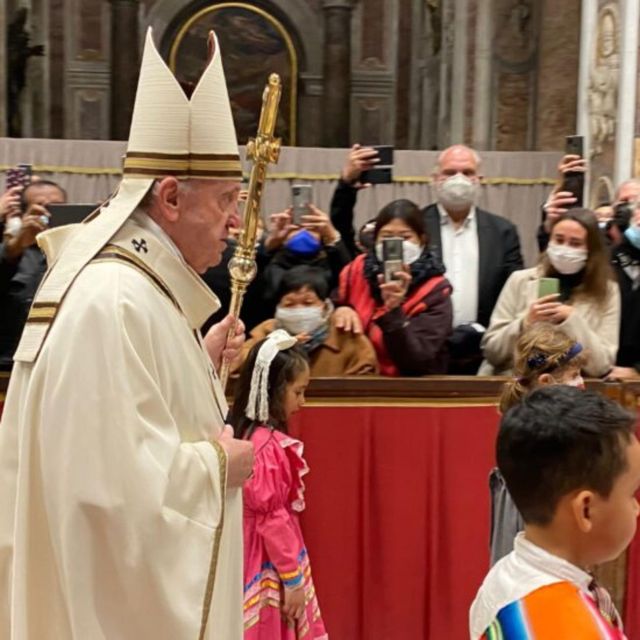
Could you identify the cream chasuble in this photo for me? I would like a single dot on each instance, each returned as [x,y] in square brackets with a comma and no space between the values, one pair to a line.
[111,495]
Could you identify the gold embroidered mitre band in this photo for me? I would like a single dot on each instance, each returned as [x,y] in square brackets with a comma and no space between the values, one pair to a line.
[212,166]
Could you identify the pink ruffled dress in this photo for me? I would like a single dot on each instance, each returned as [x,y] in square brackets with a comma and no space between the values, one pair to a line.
[275,557]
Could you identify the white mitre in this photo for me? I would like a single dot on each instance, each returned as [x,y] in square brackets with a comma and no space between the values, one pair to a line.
[171,135]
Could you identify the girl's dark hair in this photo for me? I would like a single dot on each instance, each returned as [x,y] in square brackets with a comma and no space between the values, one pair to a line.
[598,271]
[285,368]
[406,211]
[304,276]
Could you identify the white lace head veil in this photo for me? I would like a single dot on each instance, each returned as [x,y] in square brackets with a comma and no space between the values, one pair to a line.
[258,403]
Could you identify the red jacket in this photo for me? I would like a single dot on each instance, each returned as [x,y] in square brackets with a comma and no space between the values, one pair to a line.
[410,339]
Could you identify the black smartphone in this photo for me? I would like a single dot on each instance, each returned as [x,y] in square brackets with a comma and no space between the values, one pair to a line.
[392,258]
[62,214]
[301,198]
[382,173]
[574,180]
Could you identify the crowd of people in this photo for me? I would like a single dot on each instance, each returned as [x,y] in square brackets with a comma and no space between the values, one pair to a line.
[458,305]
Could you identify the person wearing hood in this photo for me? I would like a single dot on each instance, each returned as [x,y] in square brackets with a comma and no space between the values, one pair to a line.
[587,308]
[480,250]
[408,319]
[305,311]
[313,243]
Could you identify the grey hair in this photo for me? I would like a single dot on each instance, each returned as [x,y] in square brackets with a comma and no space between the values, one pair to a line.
[476,156]
[632,181]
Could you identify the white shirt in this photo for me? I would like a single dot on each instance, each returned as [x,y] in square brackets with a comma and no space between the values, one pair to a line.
[526,569]
[460,255]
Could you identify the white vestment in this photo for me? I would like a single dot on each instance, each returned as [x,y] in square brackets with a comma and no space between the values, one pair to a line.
[112,497]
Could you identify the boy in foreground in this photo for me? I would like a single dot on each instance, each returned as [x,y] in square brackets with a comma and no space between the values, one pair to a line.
[571,462]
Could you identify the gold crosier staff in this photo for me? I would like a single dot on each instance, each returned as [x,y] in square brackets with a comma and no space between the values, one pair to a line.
[261,150]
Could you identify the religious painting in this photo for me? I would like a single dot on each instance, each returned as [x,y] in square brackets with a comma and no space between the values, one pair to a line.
[254,44]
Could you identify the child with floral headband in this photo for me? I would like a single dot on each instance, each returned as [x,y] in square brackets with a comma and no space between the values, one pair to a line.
[544,355]
[279,596]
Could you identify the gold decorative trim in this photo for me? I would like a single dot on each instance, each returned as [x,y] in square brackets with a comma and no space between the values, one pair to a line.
[112,252]
[43,312]
[410,403]
[293,55]
[213,564]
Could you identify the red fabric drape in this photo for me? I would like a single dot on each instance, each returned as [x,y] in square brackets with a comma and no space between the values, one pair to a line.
[397,519]
[632,595]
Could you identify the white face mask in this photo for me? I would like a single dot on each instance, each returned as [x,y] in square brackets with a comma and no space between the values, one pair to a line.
[410,251]
[457,192]
[296,320]
[567,260]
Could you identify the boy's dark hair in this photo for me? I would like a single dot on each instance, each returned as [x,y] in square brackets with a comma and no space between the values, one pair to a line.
[304,276]
[285,368]
[560,439]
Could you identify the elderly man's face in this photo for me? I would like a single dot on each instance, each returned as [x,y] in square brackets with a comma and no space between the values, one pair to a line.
[207,209]
[457,159]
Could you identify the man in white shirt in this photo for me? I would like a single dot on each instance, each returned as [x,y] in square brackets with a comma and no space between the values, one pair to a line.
[479,249]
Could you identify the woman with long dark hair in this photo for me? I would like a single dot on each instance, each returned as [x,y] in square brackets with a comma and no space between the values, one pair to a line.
[587,307]
[408,319]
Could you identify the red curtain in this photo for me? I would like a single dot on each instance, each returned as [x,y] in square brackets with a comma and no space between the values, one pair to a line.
[397,519]
[632,595]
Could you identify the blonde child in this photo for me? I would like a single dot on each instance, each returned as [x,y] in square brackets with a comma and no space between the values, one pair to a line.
[544,355]
[279,595]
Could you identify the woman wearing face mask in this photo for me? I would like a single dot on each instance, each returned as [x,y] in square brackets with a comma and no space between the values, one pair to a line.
[587,308]
[408,319]
[315,243]
[305,311]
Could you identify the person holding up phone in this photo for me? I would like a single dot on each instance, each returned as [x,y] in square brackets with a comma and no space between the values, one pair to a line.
[406,312]
[22,264]
[572,287]
[479,249]
[310,240]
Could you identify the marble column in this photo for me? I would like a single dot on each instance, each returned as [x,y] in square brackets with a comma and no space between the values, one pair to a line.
[459,71]
[482,77]
[589,19]
[630,16]
[3,70]
[336,95]
[125,61]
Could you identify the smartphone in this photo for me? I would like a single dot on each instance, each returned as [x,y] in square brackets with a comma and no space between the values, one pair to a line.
[301,198]
[382,173]
[392,258]
[19,176]
[548,286]
[62,214]
[574,180]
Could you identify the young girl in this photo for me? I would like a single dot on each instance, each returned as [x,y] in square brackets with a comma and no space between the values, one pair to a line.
[544,355]
[279,596]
